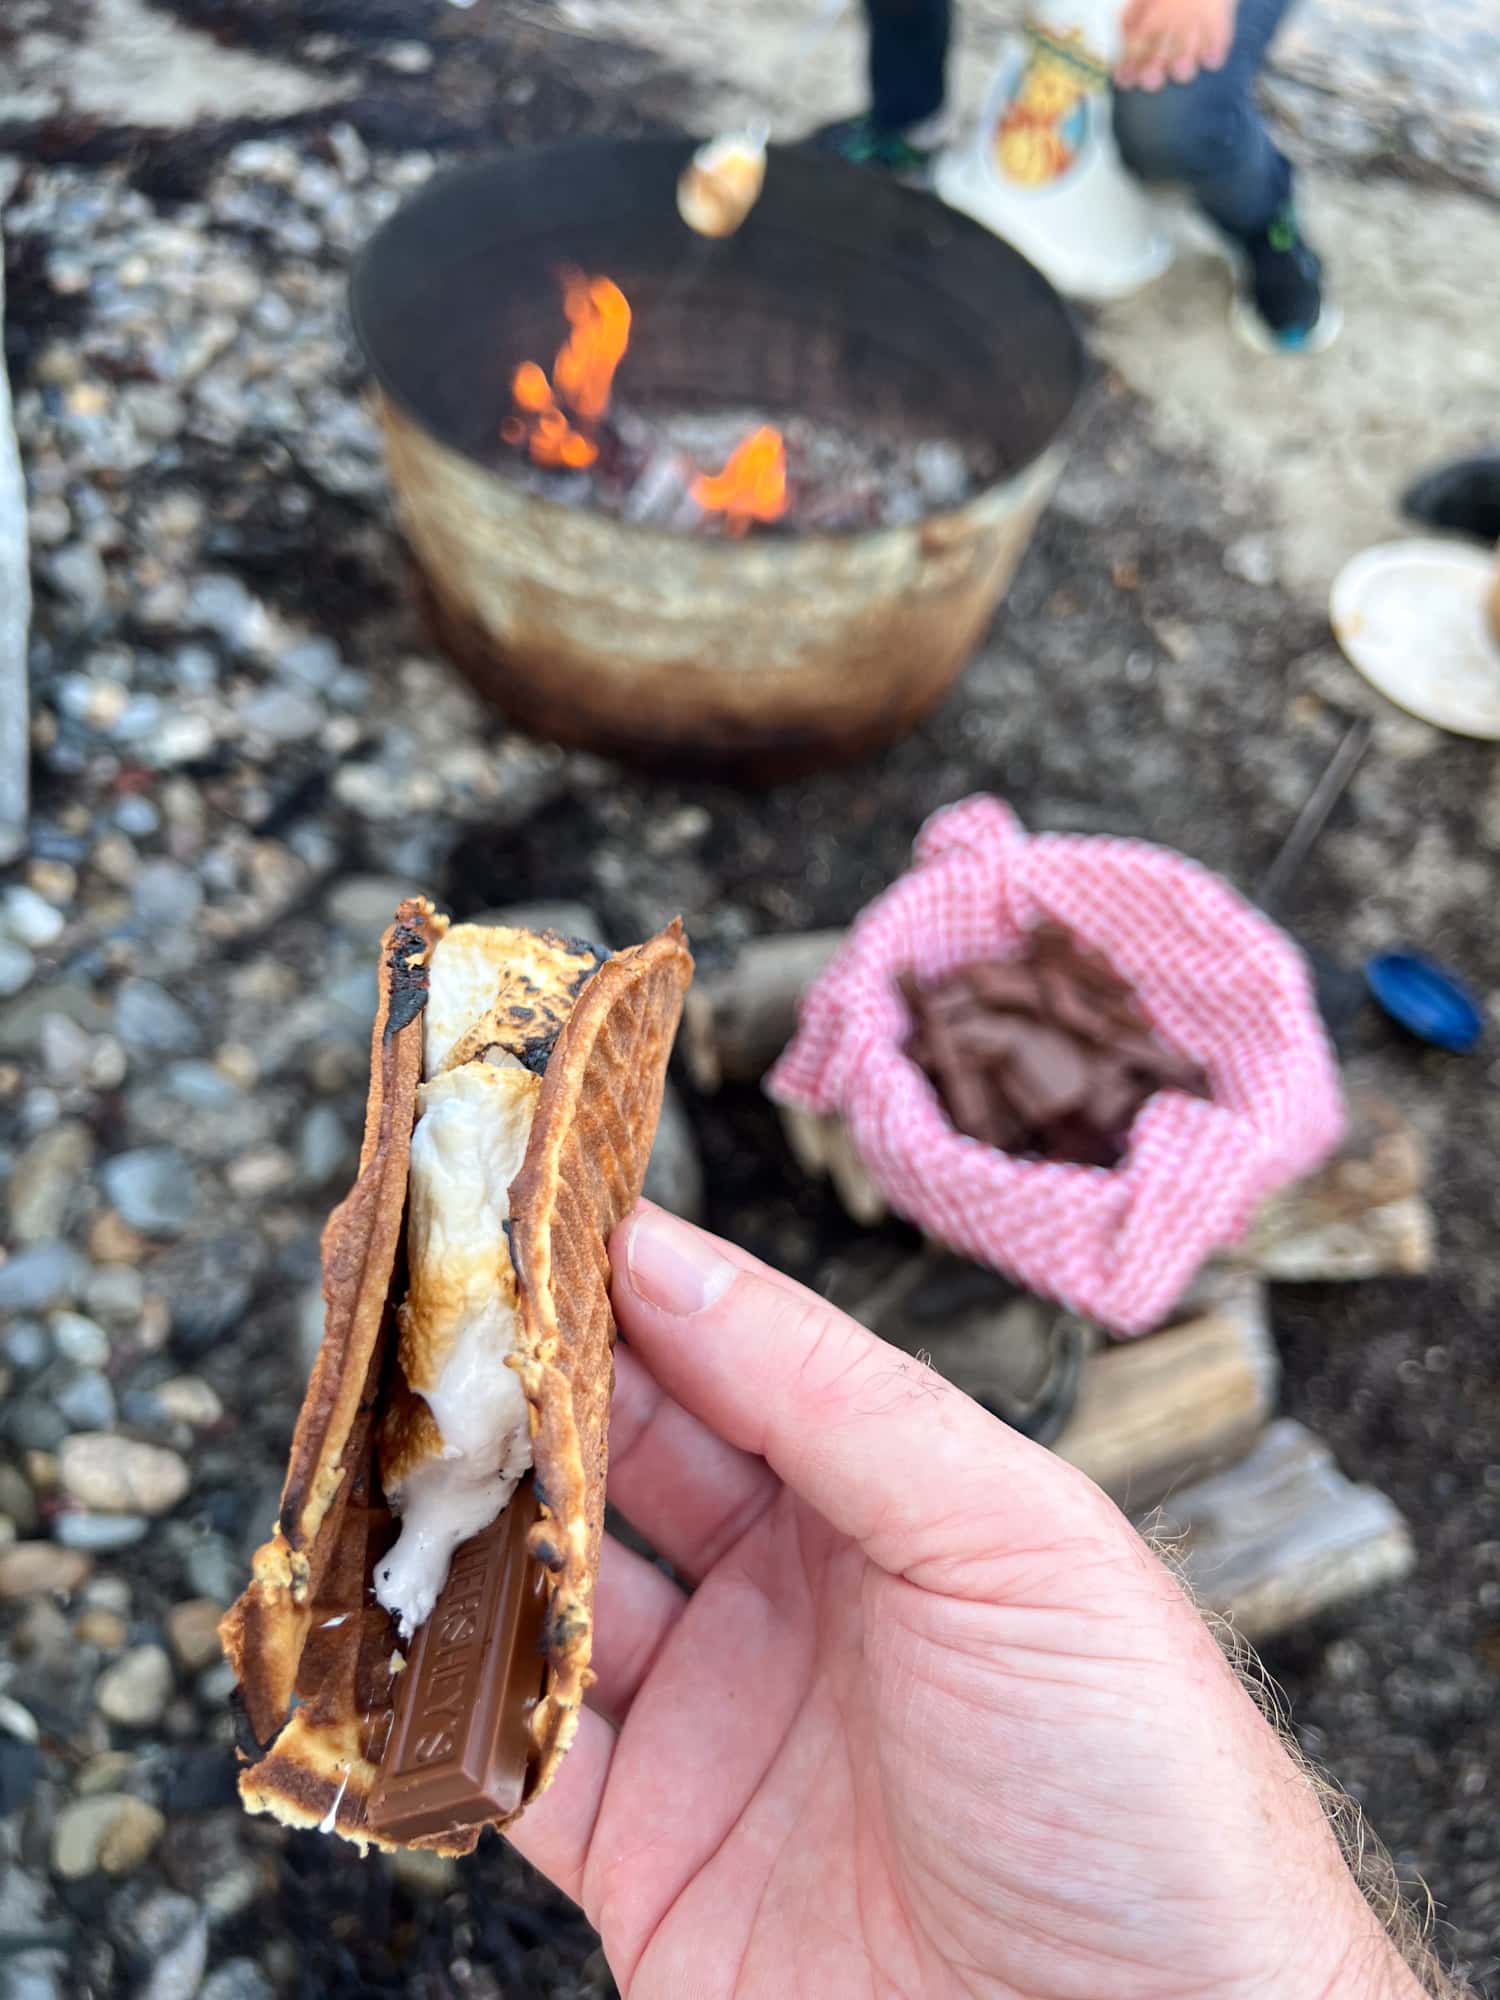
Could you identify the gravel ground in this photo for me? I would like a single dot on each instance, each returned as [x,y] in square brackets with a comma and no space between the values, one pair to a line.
[245,751]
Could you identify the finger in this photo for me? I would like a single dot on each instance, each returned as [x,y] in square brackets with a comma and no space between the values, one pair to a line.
[924,1480]
[688,1492]
[1217,45]
[1184,66]
[635,1607]
[555,1830]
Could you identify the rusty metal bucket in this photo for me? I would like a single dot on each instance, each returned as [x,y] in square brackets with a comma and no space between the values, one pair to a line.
[760,657]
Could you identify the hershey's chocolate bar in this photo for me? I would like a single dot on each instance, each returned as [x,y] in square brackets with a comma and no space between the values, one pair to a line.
[460,1745]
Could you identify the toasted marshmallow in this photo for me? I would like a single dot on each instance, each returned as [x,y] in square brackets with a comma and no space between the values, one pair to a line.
[457,1438]
[721,184]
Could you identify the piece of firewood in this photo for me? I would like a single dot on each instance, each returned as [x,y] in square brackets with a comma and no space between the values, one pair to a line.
[1282,1535]
[821,1146]
[1360,1216]
[736,1022]
[1152,1413]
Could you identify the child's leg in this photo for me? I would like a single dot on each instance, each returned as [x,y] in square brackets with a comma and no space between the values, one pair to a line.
[1209,134]
[908,60]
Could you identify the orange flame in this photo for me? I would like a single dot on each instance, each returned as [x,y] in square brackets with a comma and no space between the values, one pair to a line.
[752,486]
[584,372]
[582,376]
[552,418]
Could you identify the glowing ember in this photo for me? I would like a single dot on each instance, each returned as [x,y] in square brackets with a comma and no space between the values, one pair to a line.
[752,486]
[557,420]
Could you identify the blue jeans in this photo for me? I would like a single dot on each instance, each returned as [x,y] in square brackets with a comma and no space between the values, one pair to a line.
[1207,135]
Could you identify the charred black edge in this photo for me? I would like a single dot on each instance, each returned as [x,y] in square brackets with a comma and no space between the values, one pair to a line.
[248,1746]
[407,962]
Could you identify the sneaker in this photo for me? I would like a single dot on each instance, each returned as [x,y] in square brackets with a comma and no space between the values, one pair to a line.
[1461,499]
[909,155]
[1283,306]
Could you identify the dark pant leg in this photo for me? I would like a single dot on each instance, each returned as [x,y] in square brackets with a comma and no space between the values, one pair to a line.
[908,60]
[1209,134]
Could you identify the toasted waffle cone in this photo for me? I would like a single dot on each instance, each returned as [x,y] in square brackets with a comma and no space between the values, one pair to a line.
[308,1625]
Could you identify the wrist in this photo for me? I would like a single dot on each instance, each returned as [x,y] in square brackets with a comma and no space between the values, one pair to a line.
[1366,1964]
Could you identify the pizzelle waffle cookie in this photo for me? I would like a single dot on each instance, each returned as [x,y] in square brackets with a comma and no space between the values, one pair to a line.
[490,1047]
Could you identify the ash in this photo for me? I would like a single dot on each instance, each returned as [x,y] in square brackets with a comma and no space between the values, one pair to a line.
[839,481]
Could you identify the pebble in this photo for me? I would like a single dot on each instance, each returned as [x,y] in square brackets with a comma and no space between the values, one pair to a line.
[115,1475]
[77,572]
[17,1501]
[115,1292]
[237,1979]
[202,1085]
[112,1592]
[17,1721]
[209,1283]
[193,1633]
[422,1873]
[112,1833]
[281,715]
[166,896]
[363,905]
[16,967]
[29,918]
[323,1146]
[44,1180]
[20,1767]
[97,1625]
[34,1425]
[407,58]
[215,1685]
[49,522]
[149,1020]
[43,1275]
[313,663]
[262,1171]
[569,920]
[1253,558]
[223,606]
[172,1934]
[182,739]
[134,1692]
[29,1567]
[87,1402]
[188,1399]
[79,1339]
[152,1187]
[100,1534]
[28,1345]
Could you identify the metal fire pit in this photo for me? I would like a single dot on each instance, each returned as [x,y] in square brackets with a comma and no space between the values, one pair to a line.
[843,295]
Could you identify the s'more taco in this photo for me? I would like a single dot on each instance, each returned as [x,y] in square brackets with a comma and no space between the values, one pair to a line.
[413,1646]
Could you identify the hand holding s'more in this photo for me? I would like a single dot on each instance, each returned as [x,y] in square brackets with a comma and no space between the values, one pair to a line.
[414,1644]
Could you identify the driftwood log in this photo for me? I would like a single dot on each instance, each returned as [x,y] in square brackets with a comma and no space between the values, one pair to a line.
[1282,1536]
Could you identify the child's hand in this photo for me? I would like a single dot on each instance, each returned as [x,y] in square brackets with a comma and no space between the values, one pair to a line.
[1170,41]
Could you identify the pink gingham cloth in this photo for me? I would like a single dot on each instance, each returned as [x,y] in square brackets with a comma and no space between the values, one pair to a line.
[1218,981]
